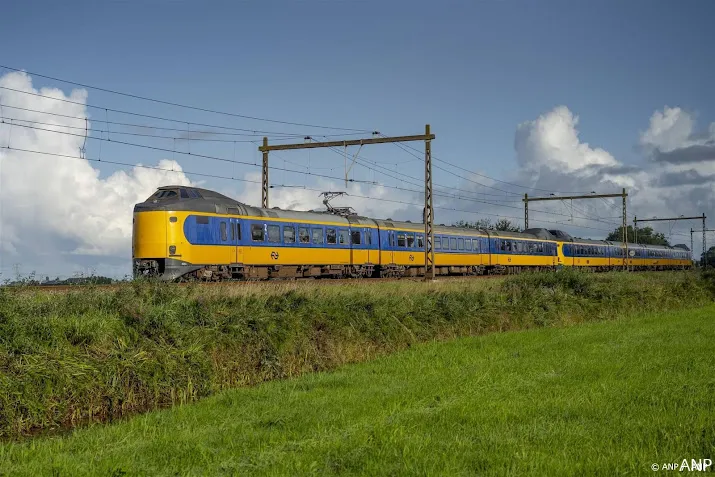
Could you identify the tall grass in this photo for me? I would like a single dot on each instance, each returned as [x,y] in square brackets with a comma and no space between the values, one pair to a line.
[95,354]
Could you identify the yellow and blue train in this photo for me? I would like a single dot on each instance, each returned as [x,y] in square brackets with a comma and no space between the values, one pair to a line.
[191,233]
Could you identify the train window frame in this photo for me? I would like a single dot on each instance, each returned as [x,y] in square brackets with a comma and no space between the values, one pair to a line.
[306,235]
[238,230]
[272,230]
[343,237]
[368,237]
[468,244]
[353,234]
[460,243]
[316,239]
[420,241]
[438,243]
[224,232]
[411,244]
[233,231]
[453,243]
[257,228]
[331,236]
[291,237]
[401,239]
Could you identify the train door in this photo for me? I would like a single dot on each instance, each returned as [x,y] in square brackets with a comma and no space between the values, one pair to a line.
[237,251]
[389,246]
[367,238]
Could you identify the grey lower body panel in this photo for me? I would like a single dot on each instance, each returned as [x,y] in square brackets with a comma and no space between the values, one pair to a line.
[174,268]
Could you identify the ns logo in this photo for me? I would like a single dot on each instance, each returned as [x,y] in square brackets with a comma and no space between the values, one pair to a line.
[412,258]
[274,255]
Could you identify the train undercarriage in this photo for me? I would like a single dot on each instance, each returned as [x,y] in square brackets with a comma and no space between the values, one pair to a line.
[173,270]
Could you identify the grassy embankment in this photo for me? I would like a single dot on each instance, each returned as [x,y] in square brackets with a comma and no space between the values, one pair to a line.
[96,355]
[608,398]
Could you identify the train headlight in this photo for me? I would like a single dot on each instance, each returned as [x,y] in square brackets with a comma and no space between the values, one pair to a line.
[172,249]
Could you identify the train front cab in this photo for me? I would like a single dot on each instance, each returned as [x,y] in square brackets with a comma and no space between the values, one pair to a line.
[149,249]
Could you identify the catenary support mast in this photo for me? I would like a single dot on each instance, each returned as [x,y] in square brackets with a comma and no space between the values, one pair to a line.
[428,210]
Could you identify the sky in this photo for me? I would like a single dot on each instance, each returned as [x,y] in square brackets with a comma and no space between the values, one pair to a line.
[523,97]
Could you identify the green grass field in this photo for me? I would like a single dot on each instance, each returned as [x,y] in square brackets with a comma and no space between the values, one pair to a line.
[96,355]
[600,398]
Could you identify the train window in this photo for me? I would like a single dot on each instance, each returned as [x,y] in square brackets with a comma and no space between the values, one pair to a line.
[289,234]
[453,243]
[303,235]
[368,237]
[202,219]
[437,243]
[331,235]
[165,194]
[274,233]
[238,230]
[257,232]
[224,235]
[233,232]
[460,243]
[343,236]
[467,244]
[183,194]
[420,241]
[401,240]
[355,237]
[317,236]
[410,240]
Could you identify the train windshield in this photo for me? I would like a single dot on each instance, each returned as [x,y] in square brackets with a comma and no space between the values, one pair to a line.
[173,194]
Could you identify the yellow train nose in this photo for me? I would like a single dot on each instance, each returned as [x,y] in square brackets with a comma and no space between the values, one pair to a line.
[149,235]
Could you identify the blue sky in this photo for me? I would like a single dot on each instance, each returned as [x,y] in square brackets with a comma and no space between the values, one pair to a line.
[474,70]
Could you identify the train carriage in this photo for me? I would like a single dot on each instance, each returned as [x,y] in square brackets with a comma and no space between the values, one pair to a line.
[191,233]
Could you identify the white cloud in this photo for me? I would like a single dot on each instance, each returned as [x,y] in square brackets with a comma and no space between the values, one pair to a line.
[675,178]
[52,206]
[551,141]
[669,130]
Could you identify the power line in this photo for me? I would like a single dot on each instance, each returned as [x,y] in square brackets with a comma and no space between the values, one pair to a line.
[283,169]
[495,179]
[255,133]
[203,156]
[195,108]
[124,164]
[415,178]
[157,136]
[159,118]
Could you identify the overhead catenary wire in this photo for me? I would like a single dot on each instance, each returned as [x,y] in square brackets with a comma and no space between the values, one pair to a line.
[156,136]
[148,116]
[493,178]
[203,156]
[124,164]
[280,133]
[179,105]
[223,127]
[245,132]
[274,168]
